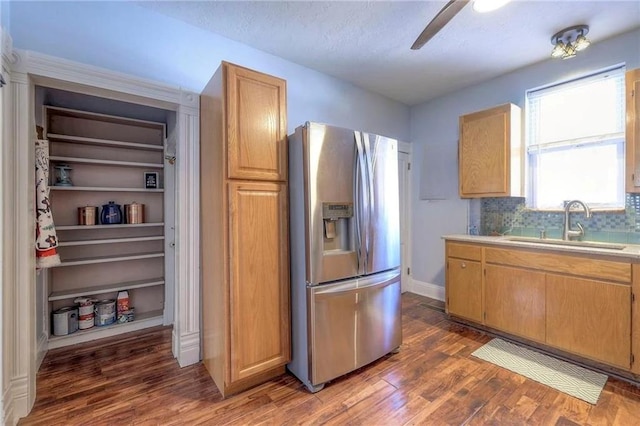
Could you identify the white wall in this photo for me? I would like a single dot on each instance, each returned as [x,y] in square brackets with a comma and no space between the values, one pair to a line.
[434,125]
[124,37]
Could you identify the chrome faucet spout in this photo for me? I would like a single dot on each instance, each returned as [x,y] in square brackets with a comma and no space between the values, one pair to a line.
[567,232]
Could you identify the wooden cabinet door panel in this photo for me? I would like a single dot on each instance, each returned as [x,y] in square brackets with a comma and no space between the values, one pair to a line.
[515,301]
[632,151]
[590,318]
[464,288]
[256,125]
[259,278]
[483,155]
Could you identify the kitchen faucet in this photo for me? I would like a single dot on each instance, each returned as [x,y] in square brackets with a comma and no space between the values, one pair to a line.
[567,232]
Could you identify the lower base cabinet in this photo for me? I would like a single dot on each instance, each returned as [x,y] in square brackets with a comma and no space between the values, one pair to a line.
[589,318]
[515,301]
[580,304]
[464,294]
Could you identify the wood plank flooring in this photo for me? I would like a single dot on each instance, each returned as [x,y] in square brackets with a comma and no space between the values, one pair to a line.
[432,380]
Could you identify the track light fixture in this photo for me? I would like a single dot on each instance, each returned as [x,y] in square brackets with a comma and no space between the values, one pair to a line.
[569,41]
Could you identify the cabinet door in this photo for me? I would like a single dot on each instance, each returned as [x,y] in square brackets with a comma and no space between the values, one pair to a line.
[259,278]
[590,318]
[515,301]
[484,153]
[464,288]
[632,85]
[256,125]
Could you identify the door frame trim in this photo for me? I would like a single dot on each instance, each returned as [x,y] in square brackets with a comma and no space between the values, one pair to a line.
[26,69]
[405,148]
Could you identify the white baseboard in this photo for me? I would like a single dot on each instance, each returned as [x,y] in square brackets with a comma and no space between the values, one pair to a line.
[6,407]
[433,291]
[188,352]
[20,397]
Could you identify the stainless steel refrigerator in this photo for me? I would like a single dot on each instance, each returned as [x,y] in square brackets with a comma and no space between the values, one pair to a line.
[345,251]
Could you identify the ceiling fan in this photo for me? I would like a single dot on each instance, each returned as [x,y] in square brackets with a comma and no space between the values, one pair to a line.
[447,13]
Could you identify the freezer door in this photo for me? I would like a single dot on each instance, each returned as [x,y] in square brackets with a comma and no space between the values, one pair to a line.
[383,223]
[333,176]
[352,324]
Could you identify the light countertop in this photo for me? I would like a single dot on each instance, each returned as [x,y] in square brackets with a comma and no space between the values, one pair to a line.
[624,251]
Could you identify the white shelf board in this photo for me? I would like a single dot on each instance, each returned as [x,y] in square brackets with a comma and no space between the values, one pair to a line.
[93,161]
[109,241]
[116,225]
[53,137]
[101,188]
[106,288]
[107,259]
[88,115]
[141,321]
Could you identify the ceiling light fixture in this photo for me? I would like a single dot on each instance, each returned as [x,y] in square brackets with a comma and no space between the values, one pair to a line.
[569,41]
[488,5]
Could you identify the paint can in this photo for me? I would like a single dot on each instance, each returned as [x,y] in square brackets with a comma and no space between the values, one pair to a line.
[65,321]
[105,312]
[86,315]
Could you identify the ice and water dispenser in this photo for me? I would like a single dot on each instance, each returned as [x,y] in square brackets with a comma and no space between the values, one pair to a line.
[337,219]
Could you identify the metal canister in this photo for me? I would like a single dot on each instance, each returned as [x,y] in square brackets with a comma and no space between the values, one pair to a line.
[134,213]
[105,311]
[87,215]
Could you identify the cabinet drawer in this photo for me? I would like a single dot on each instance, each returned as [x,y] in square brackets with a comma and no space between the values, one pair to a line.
[554,262]
[464,251]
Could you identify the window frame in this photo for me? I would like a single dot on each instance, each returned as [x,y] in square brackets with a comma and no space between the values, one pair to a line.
[531,153]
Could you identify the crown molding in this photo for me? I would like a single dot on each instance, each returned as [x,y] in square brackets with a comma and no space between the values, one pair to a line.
[62,73]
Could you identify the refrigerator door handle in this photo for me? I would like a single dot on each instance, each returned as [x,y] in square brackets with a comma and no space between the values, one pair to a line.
[361,203]
[386,279]
[370,158]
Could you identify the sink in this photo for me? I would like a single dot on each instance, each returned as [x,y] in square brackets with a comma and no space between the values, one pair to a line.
[550,241]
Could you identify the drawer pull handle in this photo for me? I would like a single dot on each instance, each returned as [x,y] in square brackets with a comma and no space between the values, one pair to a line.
[463,265]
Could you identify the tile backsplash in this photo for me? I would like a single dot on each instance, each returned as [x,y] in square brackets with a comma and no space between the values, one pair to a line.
[510,216]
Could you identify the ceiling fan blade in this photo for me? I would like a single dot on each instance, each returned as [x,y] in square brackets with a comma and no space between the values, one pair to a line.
[447,13]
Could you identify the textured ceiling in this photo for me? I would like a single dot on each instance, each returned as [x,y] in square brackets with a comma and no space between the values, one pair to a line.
[368,43]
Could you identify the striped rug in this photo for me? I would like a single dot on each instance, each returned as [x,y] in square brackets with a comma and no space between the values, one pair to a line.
[563,376]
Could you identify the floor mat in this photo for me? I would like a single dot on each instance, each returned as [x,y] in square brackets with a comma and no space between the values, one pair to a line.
[563,376]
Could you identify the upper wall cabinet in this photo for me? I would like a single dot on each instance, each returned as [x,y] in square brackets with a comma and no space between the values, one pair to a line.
[490,153]
[632,85]
[256,125]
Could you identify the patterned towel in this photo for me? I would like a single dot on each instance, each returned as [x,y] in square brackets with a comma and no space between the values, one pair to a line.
[46,239]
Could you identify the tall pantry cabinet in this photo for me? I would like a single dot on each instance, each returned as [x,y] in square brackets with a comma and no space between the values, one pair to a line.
[244,228]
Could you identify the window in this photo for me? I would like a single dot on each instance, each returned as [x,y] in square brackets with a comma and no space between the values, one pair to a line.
[575,142]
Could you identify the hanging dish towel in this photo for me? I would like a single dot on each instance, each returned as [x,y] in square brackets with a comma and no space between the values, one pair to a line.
[46,239]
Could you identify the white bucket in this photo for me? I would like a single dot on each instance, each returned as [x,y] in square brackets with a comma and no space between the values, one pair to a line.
[65,321]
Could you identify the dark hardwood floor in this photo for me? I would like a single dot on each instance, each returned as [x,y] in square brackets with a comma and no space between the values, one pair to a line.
[432,380]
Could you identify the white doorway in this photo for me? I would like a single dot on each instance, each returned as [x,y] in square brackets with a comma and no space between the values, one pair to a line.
[404,179]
